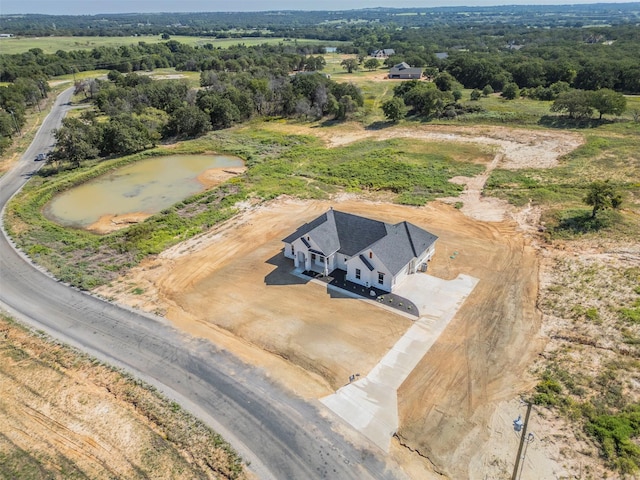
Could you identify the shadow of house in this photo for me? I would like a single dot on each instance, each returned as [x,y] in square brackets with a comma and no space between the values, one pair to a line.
[281,275]
[343,288]
[338,287]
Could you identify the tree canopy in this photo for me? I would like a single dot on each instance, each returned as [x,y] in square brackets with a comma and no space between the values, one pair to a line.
[602,195]
[349,64]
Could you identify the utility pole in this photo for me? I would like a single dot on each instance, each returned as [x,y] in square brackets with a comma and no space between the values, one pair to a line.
[523,437]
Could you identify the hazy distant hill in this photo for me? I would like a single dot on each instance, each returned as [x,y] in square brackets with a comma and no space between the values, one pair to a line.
[286,22]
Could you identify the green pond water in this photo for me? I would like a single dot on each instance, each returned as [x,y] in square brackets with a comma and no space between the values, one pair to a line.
[147,186]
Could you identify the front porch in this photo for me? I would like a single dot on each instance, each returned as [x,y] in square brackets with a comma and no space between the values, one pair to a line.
[337,278]
[314,261]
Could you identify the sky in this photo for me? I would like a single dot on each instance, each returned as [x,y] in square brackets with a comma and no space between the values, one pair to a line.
[91,7]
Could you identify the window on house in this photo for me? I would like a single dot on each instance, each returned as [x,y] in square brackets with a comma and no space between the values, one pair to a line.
[370,254]
[358,273]
[293,250]
[381,278]
[313,257]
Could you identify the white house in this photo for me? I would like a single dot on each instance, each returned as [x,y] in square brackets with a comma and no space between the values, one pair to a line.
[384,53]
[372,253]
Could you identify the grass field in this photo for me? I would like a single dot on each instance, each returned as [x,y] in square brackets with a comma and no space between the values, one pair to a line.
[53,44]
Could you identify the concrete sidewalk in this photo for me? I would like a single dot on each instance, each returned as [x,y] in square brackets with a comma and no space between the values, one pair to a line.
[370,405]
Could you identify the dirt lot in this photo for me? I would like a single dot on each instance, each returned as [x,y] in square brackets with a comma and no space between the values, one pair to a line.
[64,416]
[232,285]
[234,280]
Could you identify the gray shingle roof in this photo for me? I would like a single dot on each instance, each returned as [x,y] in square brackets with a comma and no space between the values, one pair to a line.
[356,233]
[385,51]
[403,242]
[404,69]
[395,245]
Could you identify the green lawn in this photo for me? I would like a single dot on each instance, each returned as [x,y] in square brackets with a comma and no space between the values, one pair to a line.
[53,44]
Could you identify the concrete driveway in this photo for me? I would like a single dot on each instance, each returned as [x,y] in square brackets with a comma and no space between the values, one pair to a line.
[370,404]
[434,296]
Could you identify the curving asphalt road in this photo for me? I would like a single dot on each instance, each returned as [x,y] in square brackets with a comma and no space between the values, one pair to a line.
[282,436]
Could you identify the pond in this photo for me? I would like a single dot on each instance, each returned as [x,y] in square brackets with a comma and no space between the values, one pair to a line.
[137,191]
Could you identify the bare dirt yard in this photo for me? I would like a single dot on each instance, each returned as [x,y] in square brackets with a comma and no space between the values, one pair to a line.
[233,286]
[65,416]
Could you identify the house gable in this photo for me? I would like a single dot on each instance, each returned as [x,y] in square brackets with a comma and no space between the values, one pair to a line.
[383,53]
[403,243]
[320,231]
[373,253]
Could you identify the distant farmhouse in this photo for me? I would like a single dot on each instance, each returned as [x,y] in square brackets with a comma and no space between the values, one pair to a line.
[404,71]
[372,253]
[384,53]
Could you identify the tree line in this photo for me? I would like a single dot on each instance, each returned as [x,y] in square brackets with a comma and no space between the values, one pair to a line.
[585,58]
[298,23]
[144,56]
[133,112]
[15,98]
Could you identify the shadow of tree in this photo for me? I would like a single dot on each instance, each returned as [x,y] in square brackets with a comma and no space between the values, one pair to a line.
[557,121]
[380,125]
[580,222]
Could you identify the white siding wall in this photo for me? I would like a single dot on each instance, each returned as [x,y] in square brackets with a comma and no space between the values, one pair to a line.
[341,261]
[388,278]
[287,251]
[401,275]
[367,277]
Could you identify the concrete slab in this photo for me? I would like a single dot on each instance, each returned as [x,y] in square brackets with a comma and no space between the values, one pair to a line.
[370,405]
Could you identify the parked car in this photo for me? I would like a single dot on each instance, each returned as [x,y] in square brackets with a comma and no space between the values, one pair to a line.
[41,157]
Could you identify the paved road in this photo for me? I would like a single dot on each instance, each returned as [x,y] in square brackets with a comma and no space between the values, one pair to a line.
[283,436]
